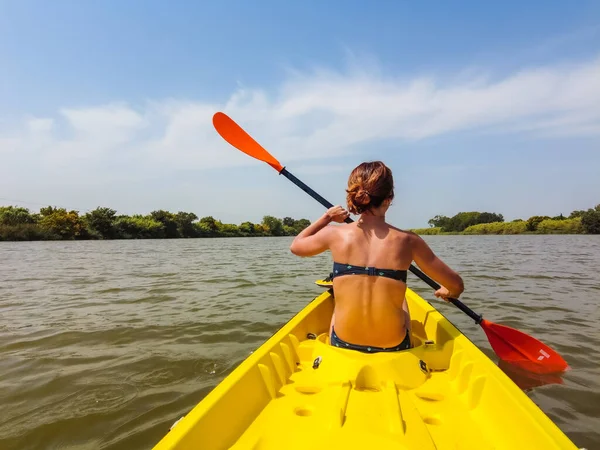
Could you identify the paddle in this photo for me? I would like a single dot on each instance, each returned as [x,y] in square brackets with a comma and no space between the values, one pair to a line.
[509,344]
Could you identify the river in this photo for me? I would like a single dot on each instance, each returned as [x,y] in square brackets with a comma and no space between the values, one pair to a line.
[104,344]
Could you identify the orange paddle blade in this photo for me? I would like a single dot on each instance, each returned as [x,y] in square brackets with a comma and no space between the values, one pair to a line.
[236,136]
[522,350]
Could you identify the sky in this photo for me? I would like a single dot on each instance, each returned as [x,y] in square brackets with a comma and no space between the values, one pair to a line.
[475,106]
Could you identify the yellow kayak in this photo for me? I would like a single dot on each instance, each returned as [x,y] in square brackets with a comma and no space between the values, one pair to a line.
[298,392]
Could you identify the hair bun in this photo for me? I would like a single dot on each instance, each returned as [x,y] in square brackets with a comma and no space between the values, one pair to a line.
[369,185]
[362,197]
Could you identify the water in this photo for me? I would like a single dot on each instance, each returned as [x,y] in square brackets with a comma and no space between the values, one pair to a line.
[103,345]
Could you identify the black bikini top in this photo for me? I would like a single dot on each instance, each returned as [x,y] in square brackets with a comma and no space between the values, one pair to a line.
[347,269]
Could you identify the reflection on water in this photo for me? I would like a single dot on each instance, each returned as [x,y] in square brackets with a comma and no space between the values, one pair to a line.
[526,379]
[106,344]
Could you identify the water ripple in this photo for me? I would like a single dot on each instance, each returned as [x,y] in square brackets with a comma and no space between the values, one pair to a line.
[106,344]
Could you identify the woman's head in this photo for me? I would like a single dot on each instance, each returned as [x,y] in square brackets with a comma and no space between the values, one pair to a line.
[369,185]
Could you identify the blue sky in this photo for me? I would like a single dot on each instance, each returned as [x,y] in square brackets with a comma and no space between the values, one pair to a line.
[475,106]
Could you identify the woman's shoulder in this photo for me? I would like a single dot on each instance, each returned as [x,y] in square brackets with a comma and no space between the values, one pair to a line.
[403,234]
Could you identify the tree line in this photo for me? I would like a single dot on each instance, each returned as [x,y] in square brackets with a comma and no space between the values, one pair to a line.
[474,222]
[51,223]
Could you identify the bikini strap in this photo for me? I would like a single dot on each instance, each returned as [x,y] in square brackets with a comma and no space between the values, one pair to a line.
[348,269]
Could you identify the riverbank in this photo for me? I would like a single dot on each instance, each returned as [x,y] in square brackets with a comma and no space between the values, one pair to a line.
[475,222]
[52,224]
[548,226]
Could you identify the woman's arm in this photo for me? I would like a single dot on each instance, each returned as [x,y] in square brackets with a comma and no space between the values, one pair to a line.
[452,283]
[316,238]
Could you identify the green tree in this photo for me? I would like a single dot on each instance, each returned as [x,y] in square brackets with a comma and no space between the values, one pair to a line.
[259,230]
[486,217]
[228,229]
[575,214]
[288,221]
[168,221]
[462,220]
[534,221]
[101,221]
[590,220]
[300,225]
[62,223]
[247,228]
[273,226]
[203,230]
[210,224]
[139,227]
[15,215]
[185,224]
[439,221]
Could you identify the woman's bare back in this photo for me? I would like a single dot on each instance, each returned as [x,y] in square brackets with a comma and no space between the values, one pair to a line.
[369,308]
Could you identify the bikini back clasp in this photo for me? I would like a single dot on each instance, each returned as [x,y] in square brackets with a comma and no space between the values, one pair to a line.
[348,269]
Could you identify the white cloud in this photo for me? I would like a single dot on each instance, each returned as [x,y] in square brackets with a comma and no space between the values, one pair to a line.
[311,116]
[40,126]
[111,124]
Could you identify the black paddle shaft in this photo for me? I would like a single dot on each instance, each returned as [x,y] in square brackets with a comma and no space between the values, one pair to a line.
[460,305]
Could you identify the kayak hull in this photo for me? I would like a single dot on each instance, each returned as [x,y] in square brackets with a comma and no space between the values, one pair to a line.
[297,391]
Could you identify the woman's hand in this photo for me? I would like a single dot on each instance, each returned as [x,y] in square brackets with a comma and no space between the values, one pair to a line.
[317,237]
[337,214]
[444,293]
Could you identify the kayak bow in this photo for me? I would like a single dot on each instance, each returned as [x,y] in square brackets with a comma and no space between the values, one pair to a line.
[298,392]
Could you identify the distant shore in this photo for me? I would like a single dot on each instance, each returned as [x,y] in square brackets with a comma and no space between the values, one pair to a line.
[482,223]
[51,224]
[549,226]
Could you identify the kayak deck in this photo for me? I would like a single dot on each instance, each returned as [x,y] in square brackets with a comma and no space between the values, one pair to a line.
[298,392]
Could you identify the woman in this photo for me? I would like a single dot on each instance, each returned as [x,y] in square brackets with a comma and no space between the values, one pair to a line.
[371,259]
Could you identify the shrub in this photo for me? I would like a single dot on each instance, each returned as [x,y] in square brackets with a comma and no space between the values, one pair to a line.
[561,226]
[63,223]
[229,230]
[463,220]
[497,228]
[25,232]
[427,231]
[515,227]
[15,215]
[533,222]
[273,225]
[139,227]
[101,223]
